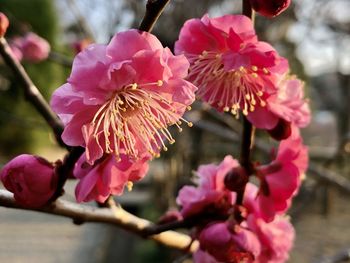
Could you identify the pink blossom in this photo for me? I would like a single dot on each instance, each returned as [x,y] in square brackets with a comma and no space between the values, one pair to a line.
[201,256]
[281,178]
[232,69]
[122,97]
[270,8]
[210,192]
[287,103]
[31,179]
[229,243]
[276,237]
[34,48]
[107,176]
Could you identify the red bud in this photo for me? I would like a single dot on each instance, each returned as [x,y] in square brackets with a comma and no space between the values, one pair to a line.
[4,24]
[236,179]
[282,130]
[270,8]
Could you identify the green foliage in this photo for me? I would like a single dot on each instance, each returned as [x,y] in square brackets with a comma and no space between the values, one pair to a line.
[18,136]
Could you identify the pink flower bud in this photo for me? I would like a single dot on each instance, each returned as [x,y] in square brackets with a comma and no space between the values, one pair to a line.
[270,8]
[171,215]
[4,24]
[31,179]
[34,48]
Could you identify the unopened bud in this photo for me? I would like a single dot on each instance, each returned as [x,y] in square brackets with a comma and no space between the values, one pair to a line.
[170,216]
[236,179]
[282,130]
[270,8]
[4,24]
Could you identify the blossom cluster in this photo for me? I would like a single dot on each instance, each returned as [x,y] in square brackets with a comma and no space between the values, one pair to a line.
[261,232]
[121,98]
[237,73]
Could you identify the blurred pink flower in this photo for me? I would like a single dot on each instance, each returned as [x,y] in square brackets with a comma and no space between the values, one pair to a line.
[229,243]
[287,103]
[15,45]
[276,237]
[232,69]
[270,8]
[107,176]
[31,179]
[281,178]
[34,48]
[80,45]
[122,97]
[210,192]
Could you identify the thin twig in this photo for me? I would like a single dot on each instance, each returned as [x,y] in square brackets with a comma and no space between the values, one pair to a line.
[154,9]
[31,91]
[115,216]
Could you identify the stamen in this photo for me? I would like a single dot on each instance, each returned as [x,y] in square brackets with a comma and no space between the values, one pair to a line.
[134,115]
[228,90]
[129,185]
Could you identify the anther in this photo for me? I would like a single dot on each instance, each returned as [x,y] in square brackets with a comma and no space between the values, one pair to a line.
[254,68]
[160,83]
[129,185]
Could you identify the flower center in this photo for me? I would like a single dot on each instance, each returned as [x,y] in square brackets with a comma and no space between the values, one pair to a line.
[135,118]
[229,90]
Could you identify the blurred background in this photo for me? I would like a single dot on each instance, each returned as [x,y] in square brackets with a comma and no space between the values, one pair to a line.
[313,34]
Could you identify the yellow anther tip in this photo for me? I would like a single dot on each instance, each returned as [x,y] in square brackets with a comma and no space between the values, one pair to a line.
[129,185]
[190,124]
[160,83]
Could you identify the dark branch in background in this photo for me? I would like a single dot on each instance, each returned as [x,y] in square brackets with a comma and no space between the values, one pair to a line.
[154,9]
[248,129]
[60,59]
[319,172]
[31,91]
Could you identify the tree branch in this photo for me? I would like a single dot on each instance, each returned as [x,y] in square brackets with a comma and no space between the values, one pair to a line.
[32,93]
[154,9]
[114,216]
[248,129]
